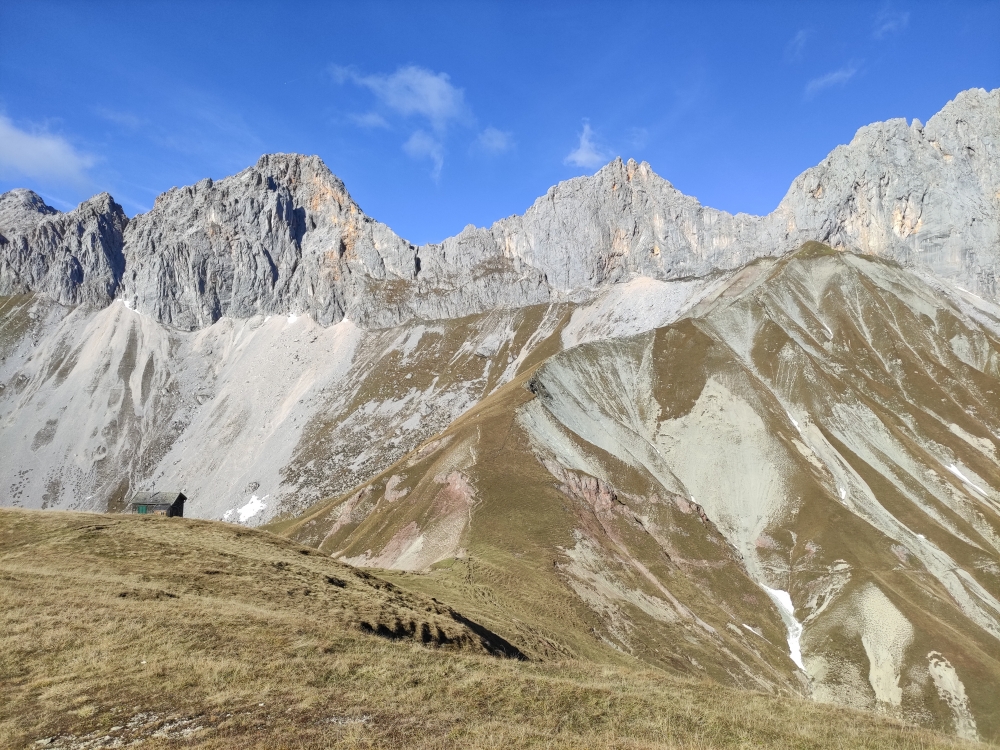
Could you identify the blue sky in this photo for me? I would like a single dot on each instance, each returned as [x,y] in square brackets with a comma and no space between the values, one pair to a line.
[437,115]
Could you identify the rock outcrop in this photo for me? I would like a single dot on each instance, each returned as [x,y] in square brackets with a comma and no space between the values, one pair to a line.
[74,258]
[285,237]
[923,195]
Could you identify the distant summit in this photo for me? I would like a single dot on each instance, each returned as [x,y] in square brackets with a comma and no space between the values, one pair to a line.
[284,236]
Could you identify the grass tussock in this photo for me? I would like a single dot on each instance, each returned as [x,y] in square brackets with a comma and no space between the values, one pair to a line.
[180,633]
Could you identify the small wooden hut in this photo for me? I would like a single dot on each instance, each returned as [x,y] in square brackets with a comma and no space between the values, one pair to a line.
[157,504]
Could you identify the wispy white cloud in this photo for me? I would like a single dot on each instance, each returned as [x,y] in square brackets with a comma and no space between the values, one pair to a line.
[422,145]
[124,119]
[838,77]
[413,91]
[586,154]
[416,92]
[889,21]
[638,137]
[40,155]
[796,45]
[369,120]
[494,141]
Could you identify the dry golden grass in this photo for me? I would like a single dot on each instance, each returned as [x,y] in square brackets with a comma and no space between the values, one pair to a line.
[181,633]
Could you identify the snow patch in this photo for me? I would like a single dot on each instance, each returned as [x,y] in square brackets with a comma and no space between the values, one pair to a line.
[955,470]
[794,422]
[253,506]
[961,289]
[784,601]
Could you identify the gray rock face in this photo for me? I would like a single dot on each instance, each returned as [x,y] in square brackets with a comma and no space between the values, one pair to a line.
[925,196]
[285,237]
[74,258]
[282,236]
[624,221]
[920,195]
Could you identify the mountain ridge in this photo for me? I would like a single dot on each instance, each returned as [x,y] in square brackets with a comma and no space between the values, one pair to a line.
[814,433]
[926,195]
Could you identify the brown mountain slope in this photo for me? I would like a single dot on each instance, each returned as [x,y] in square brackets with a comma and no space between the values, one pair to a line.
[807,461]
[121,631]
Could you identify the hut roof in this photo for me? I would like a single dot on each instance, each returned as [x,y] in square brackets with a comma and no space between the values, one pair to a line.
[157,498]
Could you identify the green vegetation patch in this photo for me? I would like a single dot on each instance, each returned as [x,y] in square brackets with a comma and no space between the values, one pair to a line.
[813,249]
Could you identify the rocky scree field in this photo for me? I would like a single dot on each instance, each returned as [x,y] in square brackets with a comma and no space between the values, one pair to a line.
[808,435]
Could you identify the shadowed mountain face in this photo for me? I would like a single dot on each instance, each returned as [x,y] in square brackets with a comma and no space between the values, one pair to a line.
[620,426]
[803,469]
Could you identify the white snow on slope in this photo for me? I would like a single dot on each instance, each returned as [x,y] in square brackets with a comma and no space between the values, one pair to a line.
[253,506]
[955,470]
[784,601]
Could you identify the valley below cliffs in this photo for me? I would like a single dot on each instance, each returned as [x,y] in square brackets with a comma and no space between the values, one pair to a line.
[621,428]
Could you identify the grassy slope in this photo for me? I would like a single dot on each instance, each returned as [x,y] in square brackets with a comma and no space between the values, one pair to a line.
[188,633]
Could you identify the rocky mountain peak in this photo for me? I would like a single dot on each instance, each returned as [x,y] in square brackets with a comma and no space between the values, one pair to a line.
[284,236]
[920,195]
[104,204]
[22,209]
[74,258]
[294,169]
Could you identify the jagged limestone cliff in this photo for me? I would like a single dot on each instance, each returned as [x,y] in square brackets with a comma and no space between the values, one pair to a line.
[73,258]
[285,237]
